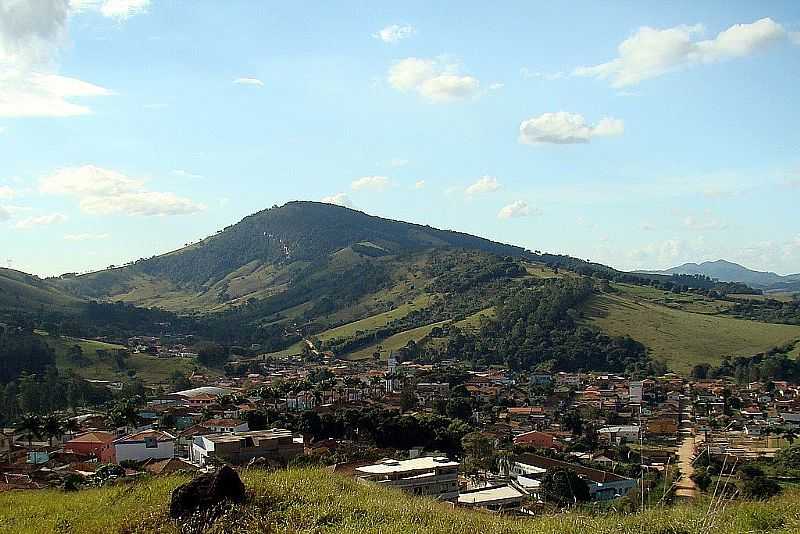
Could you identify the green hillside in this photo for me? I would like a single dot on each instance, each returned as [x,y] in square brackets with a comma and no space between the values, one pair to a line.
[683,335]
[260,255]
[101,365]
[20,291]
[318,501]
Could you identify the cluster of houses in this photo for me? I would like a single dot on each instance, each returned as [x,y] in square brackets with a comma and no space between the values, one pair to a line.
[207,425]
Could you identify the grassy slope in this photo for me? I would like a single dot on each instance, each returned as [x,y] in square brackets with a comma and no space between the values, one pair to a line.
[19,291]
[683,338]
[150,369]
[317,501]
[394,342]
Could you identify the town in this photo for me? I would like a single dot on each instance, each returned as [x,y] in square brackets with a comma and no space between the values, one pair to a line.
[489,438]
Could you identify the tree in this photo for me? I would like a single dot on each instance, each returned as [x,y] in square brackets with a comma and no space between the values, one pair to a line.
[408,399]
[459,408]
[211,354]
[573,422]
[479,451]
[700,371]
[564,487]
[30,427]
[51,428]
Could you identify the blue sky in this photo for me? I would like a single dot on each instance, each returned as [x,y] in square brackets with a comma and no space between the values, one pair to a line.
[636,134]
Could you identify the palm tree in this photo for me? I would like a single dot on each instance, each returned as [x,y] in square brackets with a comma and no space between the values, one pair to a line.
[125,414]
[70,426]
[51,427]
[31,427]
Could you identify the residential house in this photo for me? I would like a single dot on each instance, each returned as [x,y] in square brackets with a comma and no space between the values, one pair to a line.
[143,445]
[437,477]
[89,443]
[240,447]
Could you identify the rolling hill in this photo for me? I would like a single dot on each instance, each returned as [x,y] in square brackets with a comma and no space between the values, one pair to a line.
[727,271]
[360,285]
[20,291]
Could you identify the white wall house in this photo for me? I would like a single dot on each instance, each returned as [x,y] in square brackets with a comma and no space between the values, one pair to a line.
[145,445]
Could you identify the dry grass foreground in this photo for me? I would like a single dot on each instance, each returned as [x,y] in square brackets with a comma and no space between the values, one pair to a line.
[317,501]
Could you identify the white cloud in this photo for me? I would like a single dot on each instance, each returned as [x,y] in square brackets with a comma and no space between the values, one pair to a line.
[528,74]
[6,192]
[339,199]
[4,214]
[374,183]
[249,81]
[703,223]
[518,208]
[41,220]
[419,184]
[486,184]
[398,162]
[186,174]
[85,237]
[105,192]
[496,86]
[564,128]
[395,33]
[116,9]
[433,79]
[30,35]
[651,52]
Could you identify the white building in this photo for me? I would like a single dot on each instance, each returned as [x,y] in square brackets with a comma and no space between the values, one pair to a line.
[492,498]
[226,425]
[635,391]
[436,477]
[144,445]
[618,434]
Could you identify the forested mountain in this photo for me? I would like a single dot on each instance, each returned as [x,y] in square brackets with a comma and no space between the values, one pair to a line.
[269,245]
[363,286]
[727,271]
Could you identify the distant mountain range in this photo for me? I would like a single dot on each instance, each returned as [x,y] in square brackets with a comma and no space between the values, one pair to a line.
[726,271]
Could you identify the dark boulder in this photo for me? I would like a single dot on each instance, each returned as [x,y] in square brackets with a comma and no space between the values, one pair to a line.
[206,492]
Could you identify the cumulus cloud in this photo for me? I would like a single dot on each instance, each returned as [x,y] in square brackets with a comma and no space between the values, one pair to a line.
[652,52]
[104,192]
[255,82]
[394,33]
[186,174]
[6,192]
[565,128]
[30,35]
[485,184]
[339,199]
[398,162]
[116,9]
[703,223]
[373,183]
[85,237]
[419,184]
[40,220]
[529,74]
[518,208]
[432,79]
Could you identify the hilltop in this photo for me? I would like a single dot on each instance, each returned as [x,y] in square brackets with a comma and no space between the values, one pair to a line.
[316,500]
[727,271]
[361,285]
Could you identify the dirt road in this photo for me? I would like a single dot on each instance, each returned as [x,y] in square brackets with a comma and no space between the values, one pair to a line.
[686,488]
